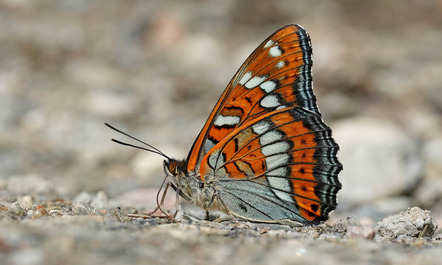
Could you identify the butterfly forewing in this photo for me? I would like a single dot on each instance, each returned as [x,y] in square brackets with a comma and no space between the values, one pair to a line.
[276,75]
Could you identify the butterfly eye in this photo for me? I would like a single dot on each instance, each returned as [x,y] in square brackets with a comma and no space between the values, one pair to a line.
[172,168]
[201,185]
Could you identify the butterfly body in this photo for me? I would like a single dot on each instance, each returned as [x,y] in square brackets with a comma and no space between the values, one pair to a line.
[189,185]
[264,154]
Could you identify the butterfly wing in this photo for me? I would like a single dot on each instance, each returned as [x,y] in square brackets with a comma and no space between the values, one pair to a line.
[280,165]
[276,75]
[265,146]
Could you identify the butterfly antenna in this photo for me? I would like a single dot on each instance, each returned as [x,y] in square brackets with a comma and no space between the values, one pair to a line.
[153,149]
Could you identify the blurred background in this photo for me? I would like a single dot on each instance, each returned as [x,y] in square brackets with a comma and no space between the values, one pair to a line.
[156,68]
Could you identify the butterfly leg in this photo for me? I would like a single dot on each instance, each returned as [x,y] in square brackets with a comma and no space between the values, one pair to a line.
[177,198]
[226,209]
[159,204]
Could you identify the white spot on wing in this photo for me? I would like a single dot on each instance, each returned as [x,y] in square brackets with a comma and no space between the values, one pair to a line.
[281,187]
[255,81]
[268,44]
[277,161]
[269,137]
[245,78]
[270,101]
[279,172]
[260,127]
[268,86]
[226,120]
[275,148]
[275,51]
[280,64]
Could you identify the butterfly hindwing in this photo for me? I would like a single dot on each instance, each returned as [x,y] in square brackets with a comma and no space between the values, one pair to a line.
[276,75]
[281,165]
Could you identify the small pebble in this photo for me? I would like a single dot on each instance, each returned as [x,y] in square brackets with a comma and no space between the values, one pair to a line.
[79,208]
[263,230]
[26,202]
[277,233]
[16,209]
[41,212]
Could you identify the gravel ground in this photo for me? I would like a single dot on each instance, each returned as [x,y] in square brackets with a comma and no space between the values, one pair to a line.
[62,232]
[155,69]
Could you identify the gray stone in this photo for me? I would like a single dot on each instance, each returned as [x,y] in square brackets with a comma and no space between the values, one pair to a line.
[379,160]
[413,222]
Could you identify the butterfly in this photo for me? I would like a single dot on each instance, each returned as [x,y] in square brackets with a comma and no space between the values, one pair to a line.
[264,154]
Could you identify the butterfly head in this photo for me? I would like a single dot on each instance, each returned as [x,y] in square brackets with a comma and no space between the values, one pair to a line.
[174,168]
[188,187]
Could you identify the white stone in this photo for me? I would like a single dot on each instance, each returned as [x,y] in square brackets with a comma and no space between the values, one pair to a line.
[379,160]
